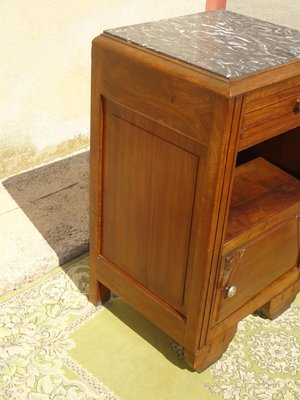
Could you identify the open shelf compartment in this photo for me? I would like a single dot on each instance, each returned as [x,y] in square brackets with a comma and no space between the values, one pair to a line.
[263,195]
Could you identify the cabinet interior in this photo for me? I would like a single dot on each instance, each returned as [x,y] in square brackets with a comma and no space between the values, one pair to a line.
[282,150]
[266,185]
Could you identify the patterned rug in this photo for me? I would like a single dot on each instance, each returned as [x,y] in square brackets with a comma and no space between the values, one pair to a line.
[55,345]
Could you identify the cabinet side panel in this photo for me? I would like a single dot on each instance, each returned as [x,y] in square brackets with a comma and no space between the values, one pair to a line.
[147,202]
[140,86]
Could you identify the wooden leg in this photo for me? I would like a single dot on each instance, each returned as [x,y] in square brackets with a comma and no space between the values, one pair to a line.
[280,303]
[98,292]
[211,352]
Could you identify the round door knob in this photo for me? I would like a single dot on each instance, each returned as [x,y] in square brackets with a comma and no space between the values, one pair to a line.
[231,291]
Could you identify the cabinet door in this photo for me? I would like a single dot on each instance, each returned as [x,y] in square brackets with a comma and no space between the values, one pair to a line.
[251,268]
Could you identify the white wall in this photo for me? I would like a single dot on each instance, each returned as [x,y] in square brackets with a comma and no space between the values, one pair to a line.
[282,12]
[45,71]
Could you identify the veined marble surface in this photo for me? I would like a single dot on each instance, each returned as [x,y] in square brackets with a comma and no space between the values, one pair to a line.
[222,42]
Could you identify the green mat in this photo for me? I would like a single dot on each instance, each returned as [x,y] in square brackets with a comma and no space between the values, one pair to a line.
[55,345]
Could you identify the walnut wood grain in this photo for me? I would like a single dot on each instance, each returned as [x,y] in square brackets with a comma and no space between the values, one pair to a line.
[266,258]
[281,302]
[282,151]
[211,351]
[287,280]
[270,111]
[261,192]
[148,191]
[173,196]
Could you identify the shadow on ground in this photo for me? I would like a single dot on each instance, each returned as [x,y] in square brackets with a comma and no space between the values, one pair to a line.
[148,331]
[55,199]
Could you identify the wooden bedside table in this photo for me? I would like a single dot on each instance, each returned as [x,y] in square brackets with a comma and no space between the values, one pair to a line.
[195,168]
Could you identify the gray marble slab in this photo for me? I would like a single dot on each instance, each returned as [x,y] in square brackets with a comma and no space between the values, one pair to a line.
[222,42]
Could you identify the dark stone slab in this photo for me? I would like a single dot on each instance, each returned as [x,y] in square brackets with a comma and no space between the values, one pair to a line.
[222,42]
[55,198]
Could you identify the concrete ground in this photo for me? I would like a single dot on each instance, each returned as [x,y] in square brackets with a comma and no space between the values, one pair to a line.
[43,220]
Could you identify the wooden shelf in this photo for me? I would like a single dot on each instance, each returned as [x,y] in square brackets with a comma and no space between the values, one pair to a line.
[263,195]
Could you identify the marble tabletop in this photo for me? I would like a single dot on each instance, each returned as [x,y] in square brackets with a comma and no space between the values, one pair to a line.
[222,42]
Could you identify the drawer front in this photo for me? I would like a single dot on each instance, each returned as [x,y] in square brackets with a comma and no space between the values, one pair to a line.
[270,112]
[251,268]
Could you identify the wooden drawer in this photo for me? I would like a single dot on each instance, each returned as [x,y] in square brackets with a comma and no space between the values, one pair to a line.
[269,112]
[252,267]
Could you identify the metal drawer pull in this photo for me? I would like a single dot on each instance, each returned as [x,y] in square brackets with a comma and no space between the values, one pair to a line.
[297,107]
[231,291]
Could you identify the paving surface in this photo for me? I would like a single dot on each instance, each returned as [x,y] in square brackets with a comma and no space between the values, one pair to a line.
[43,220]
